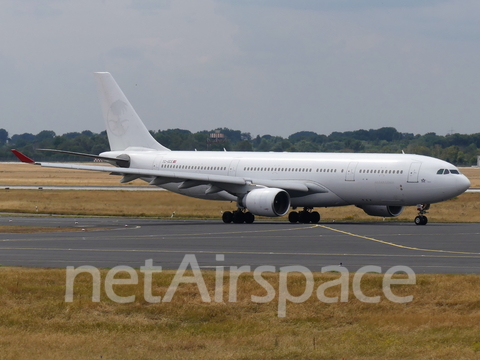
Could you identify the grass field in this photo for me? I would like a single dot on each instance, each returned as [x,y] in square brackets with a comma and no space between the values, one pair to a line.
[163,204]
[442,321]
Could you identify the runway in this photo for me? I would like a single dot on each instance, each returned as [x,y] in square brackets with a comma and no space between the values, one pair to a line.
[434,248]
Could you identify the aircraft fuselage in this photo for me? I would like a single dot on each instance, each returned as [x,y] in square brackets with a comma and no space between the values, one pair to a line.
[343,179]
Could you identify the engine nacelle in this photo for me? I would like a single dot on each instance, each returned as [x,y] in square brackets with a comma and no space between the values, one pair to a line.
[382,210]
[267,202]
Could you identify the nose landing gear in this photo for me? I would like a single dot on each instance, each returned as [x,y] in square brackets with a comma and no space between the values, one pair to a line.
[421,219]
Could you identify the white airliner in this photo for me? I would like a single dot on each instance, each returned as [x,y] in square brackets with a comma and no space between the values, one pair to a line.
[268,184]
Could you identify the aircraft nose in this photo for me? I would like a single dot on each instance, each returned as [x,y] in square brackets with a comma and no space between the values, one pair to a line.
[463,183]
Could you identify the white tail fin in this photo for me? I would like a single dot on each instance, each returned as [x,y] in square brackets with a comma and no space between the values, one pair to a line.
[124,127]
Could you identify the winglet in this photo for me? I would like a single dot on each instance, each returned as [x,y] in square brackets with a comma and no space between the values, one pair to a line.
[22,157]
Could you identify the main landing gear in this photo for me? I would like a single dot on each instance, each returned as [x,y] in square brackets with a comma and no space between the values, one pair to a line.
[305,216]
[421,219]
[238,216]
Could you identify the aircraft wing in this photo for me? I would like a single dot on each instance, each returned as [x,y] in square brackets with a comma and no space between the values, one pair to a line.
[233,184]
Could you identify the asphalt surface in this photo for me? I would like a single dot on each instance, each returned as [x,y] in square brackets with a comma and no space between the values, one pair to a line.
[434,248]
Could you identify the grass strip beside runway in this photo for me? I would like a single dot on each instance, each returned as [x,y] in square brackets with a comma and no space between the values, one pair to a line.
[164,204]
[442,322]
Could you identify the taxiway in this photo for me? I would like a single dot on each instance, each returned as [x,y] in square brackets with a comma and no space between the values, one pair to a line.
[435,248]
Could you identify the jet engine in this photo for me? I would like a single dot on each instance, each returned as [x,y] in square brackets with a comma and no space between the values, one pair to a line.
[382,210]
[267,202]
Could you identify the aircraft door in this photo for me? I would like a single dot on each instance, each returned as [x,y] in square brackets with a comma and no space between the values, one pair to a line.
[232,169]
[350,174]
[413,172]
[157,163]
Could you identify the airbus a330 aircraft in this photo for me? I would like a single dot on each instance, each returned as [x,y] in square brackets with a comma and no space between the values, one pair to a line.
[268,184]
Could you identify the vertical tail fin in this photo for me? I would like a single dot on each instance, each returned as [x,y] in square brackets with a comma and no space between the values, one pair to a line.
[124,127]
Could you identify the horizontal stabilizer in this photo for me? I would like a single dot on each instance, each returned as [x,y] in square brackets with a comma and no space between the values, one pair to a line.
[122,162]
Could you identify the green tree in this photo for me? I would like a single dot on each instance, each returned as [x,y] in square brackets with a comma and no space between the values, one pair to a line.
[243,145]
[3,136]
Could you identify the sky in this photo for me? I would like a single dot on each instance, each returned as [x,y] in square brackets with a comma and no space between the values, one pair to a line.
[266,66]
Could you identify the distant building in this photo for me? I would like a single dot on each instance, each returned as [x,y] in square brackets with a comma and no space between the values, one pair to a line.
[216,137]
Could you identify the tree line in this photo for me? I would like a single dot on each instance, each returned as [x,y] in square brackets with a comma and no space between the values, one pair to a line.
[459,149]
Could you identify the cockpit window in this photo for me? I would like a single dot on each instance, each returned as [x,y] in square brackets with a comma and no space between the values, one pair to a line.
[446,171]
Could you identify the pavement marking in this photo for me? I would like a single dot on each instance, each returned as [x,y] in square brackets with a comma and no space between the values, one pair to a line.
[469,255]
[397,245]
[116,237]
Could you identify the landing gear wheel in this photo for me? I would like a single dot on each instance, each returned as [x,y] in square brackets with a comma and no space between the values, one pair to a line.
[238,217]
[227,217]
[304,217]
[293,217]
[249,217]
[314,217]
[421,220]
